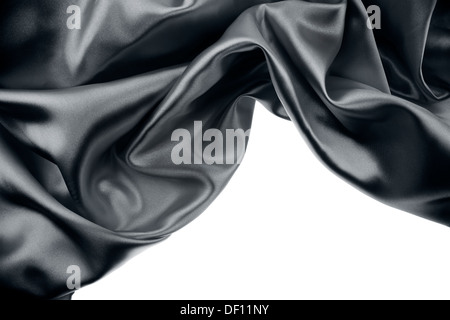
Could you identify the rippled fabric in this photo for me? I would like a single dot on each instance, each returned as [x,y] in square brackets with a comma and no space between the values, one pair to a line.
[86,176]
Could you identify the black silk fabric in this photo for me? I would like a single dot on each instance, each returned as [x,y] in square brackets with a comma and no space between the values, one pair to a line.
[86,176]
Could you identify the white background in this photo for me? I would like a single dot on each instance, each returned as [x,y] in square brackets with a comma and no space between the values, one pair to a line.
[287,228]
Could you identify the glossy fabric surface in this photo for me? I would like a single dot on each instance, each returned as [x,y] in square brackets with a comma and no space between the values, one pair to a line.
[86,176]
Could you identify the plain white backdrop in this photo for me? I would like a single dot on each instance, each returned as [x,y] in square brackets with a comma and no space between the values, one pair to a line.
[287,228]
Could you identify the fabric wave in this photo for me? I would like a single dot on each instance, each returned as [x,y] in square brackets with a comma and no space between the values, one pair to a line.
[86,176]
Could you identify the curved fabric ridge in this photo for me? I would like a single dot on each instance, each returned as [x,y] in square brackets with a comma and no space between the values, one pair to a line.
[87,115]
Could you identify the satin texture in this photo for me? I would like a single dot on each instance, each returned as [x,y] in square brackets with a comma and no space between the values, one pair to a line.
[86,176]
